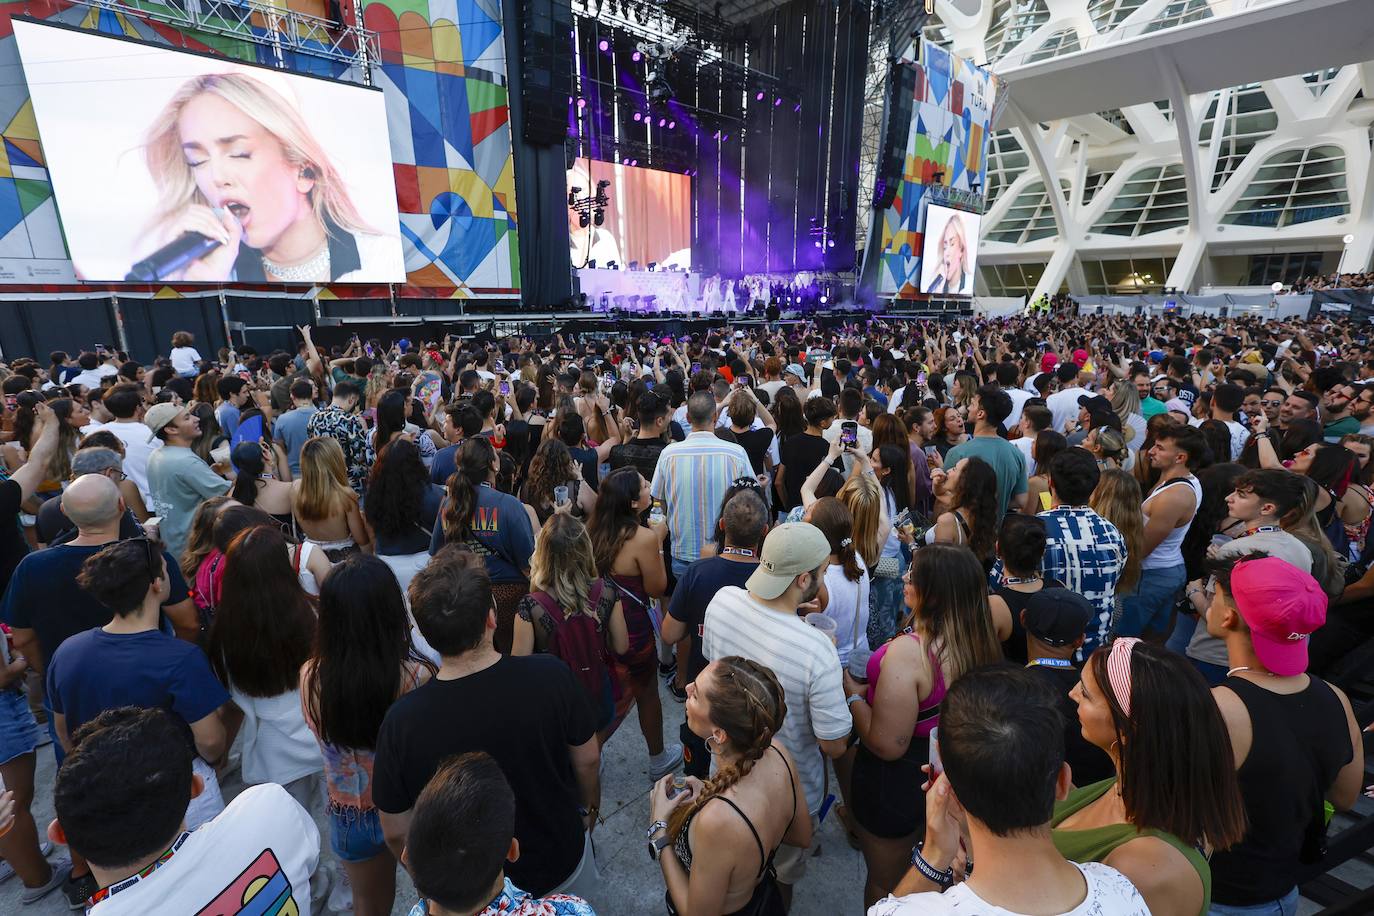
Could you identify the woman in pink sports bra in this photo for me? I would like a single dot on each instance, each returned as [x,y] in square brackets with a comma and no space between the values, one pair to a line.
[948,631]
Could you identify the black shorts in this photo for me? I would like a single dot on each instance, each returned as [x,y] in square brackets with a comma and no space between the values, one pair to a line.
[886,794]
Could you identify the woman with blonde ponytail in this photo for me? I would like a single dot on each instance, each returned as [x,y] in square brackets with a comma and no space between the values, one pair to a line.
[721,856]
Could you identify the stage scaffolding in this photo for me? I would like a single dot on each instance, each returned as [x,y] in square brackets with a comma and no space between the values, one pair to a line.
[262,23]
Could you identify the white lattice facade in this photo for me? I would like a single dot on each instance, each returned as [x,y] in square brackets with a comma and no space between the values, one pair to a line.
[1283,166]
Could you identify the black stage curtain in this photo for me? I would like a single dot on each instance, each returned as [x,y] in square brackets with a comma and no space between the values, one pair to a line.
[800,166]
[541,192]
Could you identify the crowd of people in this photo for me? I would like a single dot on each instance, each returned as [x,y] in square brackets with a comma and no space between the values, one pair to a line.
[1072,598]
[1352,280]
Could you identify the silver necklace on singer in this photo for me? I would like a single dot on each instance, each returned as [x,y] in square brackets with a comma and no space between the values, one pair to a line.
[316,268]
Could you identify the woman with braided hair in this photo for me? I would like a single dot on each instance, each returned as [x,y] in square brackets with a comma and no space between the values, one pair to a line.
[721,859]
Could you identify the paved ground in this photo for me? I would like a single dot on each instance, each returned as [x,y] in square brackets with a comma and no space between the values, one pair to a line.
[632,885]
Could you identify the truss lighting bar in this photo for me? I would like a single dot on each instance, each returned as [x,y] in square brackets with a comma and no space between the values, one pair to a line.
[286,30]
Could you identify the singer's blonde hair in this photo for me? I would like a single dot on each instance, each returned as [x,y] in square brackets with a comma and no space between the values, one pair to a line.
[176,184]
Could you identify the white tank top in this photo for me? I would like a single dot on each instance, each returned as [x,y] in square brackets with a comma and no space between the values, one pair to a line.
[1169,552]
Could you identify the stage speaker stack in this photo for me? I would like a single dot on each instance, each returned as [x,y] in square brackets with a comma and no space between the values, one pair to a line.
[546,59]
[901,92]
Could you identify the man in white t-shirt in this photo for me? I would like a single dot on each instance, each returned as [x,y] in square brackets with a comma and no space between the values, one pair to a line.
[761,624]
[126,404]
[1063,404]
[1000,742]
[121,800]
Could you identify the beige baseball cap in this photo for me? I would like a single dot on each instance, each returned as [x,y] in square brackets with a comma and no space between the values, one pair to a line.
[788,551]
[159,415]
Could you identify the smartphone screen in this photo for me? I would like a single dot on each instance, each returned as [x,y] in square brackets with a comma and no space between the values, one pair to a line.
[504,388]
[849,434]
[745,381]
[920,378]
[696,367]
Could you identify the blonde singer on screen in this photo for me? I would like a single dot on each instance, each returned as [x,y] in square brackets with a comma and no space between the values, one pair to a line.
[954,277]
[235,161]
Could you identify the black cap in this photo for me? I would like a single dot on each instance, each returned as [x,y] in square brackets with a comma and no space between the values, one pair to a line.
[1057,616]
[1094,402]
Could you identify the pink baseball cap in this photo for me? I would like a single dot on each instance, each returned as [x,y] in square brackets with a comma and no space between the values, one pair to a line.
[1080,357]
[1282,606]
[1048,362]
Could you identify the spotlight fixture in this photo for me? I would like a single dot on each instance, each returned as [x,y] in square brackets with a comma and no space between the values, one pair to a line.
[662,122]
[583,220]
[638,116]
[777,102]
[758,97]
[604,45]
[637,56]
[672,125]
[598,216]
[572,196]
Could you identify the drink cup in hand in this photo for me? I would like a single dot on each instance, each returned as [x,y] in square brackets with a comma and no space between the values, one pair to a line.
[560,495]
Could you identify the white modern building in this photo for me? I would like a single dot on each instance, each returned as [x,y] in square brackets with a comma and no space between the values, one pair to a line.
[1152,144]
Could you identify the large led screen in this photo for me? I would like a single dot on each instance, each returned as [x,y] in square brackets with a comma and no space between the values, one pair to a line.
[949,257]
[285,178]
[647,217]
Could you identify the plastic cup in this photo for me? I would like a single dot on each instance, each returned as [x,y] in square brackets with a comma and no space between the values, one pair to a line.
[825,624]
[858,660]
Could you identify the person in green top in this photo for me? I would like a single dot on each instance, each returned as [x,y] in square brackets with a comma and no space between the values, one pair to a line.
[1175,797]
[1149,405]
[1337,420]
[989,407]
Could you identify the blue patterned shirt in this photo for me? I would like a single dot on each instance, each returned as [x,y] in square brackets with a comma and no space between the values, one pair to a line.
[1085,552]
[512,901]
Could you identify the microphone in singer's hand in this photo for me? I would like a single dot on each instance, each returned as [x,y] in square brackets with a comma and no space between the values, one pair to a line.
[191,246]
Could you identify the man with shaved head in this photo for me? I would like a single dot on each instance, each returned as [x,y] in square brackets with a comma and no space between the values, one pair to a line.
[44,605]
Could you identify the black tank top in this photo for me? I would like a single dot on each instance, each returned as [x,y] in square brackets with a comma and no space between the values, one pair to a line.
[1014,646]
[1300,742]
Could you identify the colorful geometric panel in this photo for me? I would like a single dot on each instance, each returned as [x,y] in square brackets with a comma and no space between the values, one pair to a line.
[952,107]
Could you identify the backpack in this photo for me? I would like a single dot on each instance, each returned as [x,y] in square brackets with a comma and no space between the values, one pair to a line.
[580,642]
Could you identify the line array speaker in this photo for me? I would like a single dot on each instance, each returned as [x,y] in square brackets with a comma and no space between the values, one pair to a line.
[546,57]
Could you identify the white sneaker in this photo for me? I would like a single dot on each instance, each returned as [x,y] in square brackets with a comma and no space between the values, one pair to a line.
[662,764]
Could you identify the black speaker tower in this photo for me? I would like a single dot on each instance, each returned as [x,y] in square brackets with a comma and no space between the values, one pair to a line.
[546,57]
[901,90]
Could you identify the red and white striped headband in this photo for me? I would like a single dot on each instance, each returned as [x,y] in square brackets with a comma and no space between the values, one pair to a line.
[1119,671]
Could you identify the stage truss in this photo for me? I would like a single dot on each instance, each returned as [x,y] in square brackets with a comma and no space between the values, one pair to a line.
[264,24]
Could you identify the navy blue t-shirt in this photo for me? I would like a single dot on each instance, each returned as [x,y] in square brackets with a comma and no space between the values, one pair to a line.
[95,671]
[443,465]
[695,590]
[501,533]
[43,595]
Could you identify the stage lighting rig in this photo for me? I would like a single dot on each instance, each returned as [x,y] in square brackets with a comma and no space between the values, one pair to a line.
[590,210]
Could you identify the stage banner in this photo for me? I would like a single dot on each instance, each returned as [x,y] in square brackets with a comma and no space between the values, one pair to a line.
[952,109]
[1357,303]
[443,75]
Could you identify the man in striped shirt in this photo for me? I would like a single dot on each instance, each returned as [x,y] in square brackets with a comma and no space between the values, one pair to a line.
[691,479]
[761,624]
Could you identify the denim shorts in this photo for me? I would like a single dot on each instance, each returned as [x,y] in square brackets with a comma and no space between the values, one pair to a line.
[18,728]
[355,836]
